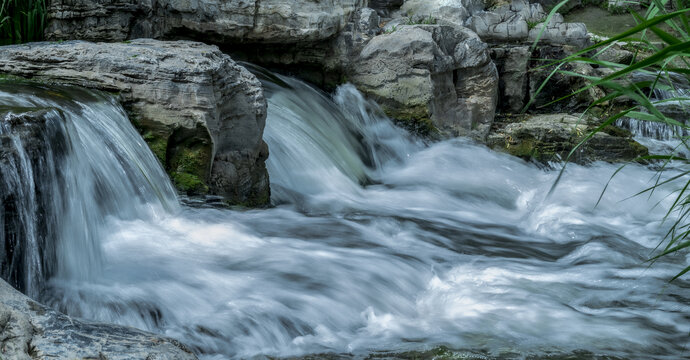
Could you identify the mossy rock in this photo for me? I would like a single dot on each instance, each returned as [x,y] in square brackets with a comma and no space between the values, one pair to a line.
[416,119]
[157,144]
[188,183]
[552,137]
[185,154]
[188,158]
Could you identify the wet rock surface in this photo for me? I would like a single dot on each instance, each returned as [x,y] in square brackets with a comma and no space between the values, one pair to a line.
[29,142]
[31,331]
[551,137]
[202,114]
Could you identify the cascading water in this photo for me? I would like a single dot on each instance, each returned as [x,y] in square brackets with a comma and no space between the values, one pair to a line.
[69,160]
[380,243]
[336,144]
[660,137]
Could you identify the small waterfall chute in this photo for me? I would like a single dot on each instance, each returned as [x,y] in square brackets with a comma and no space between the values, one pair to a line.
[70,159]
[313,137]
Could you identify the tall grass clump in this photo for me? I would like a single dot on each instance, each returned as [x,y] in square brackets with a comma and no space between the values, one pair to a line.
[661,42]
[21,21]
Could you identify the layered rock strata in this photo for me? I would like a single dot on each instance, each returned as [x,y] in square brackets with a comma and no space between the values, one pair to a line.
[202,114]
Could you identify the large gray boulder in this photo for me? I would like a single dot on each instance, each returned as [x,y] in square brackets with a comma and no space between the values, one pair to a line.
[233,21]
[202,114]
[31,331]
[431,77]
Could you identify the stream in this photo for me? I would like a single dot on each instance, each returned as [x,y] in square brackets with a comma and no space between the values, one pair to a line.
[377,241]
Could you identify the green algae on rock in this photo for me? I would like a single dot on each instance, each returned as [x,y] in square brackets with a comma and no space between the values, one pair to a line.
[179,94]
[551,137]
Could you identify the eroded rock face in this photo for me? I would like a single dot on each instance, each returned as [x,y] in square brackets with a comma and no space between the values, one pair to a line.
[456,11]
[512,63]
[233,21]
[551,137]
[430,77]
[385,7]
[202,114]
[520,21]
[31,331]
[522,74]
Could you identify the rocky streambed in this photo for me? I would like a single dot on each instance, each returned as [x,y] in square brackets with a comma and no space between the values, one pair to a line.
[178,71]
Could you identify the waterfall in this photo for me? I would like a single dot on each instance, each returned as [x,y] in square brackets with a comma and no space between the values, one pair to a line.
[313,136]
[674,102]
[70,159]
[377,243]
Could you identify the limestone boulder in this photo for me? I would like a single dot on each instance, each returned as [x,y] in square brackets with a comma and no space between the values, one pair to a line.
[456,11]
[509,22]
[551,137]
[433,78]
[31,331]
[202,114]
[520,21]
[557,31]
[233,21]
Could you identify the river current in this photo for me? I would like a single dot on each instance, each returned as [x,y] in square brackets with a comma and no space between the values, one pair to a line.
[378,241]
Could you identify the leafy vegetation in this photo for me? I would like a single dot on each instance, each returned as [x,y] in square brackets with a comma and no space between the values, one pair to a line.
[664,64]
[22,21]
[532,24]
[428,20]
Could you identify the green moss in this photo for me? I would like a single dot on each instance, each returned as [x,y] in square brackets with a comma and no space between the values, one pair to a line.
[11,77]
[532,24]
[523,149]
[638,149]
[188,168]
[188,183]
[157,144]
[616,131]
[414,118]
[184,154]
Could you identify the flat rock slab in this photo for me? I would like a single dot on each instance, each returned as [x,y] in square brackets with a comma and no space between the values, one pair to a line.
[551,137]
[202,113]
[31,331]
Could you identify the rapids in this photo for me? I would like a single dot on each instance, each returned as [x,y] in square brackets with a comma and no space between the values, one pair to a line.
[380,242]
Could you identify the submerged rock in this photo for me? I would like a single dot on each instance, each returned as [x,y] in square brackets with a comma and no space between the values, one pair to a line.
[201,113]
[431,77]
[31,331]
[551,137]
